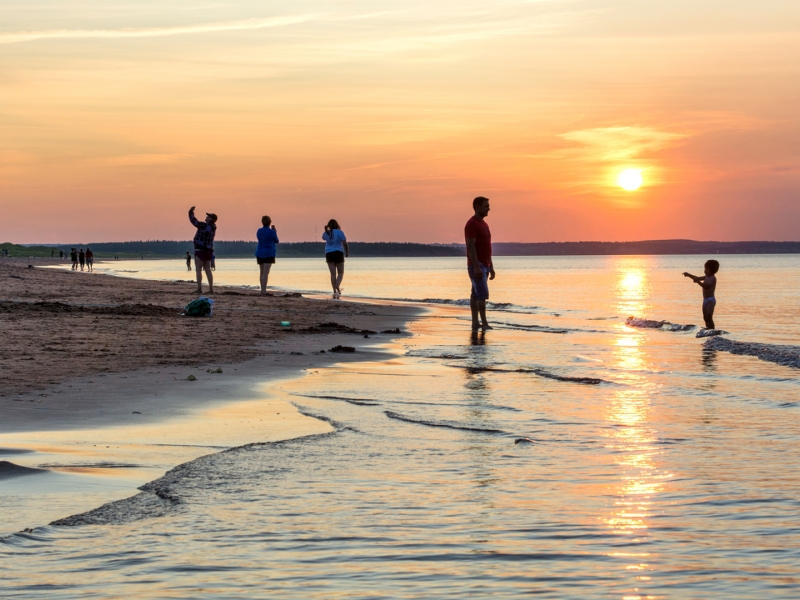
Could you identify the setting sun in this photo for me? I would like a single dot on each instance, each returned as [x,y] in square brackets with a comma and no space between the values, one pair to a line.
[630,179]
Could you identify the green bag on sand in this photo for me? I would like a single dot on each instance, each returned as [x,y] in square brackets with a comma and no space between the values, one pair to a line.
[201,307]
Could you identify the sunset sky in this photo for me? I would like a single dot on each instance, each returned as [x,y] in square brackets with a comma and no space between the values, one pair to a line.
[115,117]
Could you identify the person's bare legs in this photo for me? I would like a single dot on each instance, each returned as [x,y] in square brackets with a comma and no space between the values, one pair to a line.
[339,277]
[478,308]
[209,276]
[198,265]
[473,306]
[332,269]
[265,267]
[708,314]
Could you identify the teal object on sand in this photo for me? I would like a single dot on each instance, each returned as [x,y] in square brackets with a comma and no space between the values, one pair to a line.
[285,324]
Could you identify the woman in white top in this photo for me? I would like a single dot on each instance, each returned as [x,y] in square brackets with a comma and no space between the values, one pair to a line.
[335,252]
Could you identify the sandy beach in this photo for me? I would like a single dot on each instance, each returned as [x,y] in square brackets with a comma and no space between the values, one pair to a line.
[104,386]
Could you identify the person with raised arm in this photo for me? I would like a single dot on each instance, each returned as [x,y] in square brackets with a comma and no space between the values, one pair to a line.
[204,248]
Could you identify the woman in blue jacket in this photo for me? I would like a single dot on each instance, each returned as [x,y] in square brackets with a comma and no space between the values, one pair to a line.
[265,252]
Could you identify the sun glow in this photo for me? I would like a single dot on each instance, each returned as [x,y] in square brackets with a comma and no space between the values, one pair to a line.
[630,179]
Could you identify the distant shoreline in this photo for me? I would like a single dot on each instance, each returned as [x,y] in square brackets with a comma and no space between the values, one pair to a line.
[245,249]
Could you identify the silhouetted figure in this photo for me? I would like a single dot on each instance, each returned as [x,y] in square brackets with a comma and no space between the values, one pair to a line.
[90,259]
[709,284]
[479,261]
[266,251]
[336,249]
[74,256]
[188,262]
[204,248]
[82,258]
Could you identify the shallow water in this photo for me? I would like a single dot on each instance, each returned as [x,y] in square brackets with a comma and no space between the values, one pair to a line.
[673,476]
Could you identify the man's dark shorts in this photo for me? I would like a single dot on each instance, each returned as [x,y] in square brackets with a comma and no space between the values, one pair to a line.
[266,260]
[480,287]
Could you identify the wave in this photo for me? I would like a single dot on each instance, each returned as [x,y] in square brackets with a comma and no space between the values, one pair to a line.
[9,470]
[787,356]
[550,375]
[356,401]
[705,333]
[535,371]
[492,306]
[445,424]
[663,325]
[537,328]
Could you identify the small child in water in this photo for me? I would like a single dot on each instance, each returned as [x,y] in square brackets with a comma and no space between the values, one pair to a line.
[709,283]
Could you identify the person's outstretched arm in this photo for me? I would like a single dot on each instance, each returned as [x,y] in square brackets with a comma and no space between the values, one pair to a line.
[275,232]
[697,280]
[192,218]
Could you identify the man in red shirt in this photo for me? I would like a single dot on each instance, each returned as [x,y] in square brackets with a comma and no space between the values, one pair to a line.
[479,261]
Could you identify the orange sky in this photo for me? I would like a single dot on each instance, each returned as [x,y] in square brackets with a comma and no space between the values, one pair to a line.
[391,117]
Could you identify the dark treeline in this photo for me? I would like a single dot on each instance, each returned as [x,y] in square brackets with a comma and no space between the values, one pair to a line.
[643,247]
[241,249]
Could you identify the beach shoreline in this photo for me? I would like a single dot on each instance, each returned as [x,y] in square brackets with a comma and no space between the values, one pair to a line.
[96,431]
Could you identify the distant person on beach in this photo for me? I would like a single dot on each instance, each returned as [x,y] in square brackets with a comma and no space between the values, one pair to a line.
[90,259]
[74,257]
[266,251]
[188,261]
[82,258]
[709,284]
[204,248]
[60,254]
[479,261]
[336,249]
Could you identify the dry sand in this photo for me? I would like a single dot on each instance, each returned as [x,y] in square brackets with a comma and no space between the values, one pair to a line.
[57,325]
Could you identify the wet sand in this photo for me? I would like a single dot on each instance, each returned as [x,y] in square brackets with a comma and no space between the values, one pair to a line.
[104,387]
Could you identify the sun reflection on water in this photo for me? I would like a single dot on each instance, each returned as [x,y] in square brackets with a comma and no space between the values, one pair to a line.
[633,287]
[631,436]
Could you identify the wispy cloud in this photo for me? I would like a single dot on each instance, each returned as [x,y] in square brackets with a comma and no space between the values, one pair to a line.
[621,143]
[243,25]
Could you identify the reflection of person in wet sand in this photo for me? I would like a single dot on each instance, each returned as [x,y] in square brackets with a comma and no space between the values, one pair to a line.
[709,284]
[204,248]
[479,261]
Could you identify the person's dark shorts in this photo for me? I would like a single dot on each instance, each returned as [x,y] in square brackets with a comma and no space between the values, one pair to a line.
[267,260]
[334,257]
[480,287]
[204,255]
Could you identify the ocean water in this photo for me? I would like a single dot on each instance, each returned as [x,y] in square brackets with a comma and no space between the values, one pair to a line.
[562,454]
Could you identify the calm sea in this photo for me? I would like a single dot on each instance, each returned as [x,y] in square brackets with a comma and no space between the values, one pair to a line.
[651,468]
